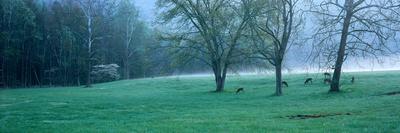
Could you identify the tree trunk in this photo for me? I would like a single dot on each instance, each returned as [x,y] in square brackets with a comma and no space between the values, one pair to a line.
[220,84]
[78,82]
[37,78]
[2,80]
[335,87]
[127,72]
[128,39]
[89,61]
[278,80]
[89,82]
[90,39]
[126,63]
[220,76]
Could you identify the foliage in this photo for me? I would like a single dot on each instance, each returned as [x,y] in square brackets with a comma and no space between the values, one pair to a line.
[105,73]
[45,42]
[209,31]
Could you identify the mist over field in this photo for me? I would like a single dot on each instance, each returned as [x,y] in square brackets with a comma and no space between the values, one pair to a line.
[297,59]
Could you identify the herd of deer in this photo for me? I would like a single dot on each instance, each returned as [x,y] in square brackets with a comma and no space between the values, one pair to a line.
[308,81]
[327,80]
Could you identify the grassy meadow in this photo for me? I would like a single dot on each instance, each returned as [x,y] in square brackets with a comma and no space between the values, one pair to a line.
[186,104]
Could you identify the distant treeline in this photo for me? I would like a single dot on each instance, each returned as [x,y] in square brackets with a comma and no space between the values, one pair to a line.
[45,43]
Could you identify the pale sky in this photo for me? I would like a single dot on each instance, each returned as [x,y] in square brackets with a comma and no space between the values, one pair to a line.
[147,9]
[147,12]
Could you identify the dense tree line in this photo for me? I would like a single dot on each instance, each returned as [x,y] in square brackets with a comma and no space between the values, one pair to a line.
[56,42]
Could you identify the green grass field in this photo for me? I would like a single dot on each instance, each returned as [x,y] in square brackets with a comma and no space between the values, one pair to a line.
[187,105]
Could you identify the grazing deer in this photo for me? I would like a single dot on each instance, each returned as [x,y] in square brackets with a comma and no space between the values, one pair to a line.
[239,90]
[352,80]
[327,75]
[285,83]
[308,81]
[327,81]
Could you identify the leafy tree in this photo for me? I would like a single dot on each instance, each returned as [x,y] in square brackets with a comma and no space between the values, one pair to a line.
[130,29]
[207,30]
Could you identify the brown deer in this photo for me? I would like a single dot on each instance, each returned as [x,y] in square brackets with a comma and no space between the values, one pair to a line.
[308,81]
[239,90]
[326,74]
[285,83]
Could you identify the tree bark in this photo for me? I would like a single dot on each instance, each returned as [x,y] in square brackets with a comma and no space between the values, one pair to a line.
[90,41]
[126,63]
[89,82]
[128,39]
[335,86]
[220,76]
[220,84]
[278,80]
[89,62]
[88,14]
[37,78]
[126,70]
[3,82]
[78,80]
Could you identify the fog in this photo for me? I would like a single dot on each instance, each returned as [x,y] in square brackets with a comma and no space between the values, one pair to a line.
[297,59]
[147,9]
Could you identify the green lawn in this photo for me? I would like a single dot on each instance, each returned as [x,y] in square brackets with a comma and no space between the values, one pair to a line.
[187,105]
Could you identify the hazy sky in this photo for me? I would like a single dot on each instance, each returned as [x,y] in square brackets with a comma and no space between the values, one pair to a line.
[146,8]
[147,12]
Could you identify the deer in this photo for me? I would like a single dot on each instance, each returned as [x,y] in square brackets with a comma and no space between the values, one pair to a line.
[326,74]
[285,83]
[308,81]
[239,90]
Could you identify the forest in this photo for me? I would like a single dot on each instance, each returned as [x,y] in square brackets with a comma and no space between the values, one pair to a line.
[52,42]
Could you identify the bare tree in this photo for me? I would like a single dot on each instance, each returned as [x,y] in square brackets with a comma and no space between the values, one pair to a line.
[274,26]
[208,30]
[92,10]
[362,27]
[87,9]
[130,27]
